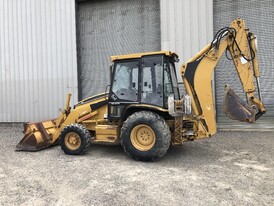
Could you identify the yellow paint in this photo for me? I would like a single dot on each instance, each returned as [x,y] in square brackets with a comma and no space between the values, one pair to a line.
[72,141]
[139,55]
[142,137]
[107,133]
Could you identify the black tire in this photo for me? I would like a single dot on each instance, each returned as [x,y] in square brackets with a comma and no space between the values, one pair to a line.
[83,136]
[160,129]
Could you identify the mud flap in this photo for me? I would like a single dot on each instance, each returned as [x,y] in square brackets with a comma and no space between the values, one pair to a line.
[38,136]
[237,109]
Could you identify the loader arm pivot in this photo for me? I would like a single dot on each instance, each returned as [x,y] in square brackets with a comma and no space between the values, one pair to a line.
[197,75]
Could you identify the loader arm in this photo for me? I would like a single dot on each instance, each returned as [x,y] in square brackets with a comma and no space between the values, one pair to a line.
[197,75]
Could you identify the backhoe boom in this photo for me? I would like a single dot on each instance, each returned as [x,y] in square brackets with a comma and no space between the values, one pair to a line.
[197,74]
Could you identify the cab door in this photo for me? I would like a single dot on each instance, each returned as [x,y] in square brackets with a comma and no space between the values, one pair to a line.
[124,87]
[152,80]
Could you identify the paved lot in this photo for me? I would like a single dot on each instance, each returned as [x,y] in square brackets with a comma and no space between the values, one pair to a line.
[228,169]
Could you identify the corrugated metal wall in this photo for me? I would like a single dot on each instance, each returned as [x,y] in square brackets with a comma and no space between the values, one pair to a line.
[37,58]
[186,26]
[113,27]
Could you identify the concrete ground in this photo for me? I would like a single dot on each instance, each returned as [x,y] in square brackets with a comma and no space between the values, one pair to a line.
[231,168]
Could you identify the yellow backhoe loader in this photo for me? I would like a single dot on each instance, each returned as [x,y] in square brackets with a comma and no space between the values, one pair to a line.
[144,110]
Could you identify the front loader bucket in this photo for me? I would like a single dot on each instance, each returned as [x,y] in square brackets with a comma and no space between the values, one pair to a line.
[235,108]
[37,136]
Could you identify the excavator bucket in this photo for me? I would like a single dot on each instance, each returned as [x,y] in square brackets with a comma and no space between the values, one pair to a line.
[235,108]
[37,136]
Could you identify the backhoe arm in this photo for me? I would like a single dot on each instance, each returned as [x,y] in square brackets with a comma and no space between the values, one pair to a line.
[197,75]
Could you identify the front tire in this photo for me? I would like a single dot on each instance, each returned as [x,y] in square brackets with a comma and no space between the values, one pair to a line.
[145,136]
[75,139]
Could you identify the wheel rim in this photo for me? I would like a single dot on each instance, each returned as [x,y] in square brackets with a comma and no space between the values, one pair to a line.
[72,141]
[142,137]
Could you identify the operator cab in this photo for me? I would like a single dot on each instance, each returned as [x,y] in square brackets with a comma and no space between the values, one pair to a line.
[146,79]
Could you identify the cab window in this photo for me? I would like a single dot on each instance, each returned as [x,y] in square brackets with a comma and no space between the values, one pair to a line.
[170,83]
[152,81]
[125,81]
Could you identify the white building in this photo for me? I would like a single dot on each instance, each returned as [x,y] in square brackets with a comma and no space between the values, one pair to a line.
[51,47]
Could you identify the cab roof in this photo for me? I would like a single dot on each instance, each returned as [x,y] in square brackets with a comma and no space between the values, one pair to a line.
[139,55]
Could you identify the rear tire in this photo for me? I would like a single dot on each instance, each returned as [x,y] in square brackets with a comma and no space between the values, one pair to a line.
[75,139]
[145,136]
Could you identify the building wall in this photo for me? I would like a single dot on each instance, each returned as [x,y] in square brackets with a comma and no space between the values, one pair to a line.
[38,62]
[186,26]
[37,58]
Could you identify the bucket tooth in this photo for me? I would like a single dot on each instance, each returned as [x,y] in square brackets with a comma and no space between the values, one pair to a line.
[235,108]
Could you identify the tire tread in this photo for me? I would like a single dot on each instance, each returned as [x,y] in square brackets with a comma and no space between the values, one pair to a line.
[163,141]
[84,135]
